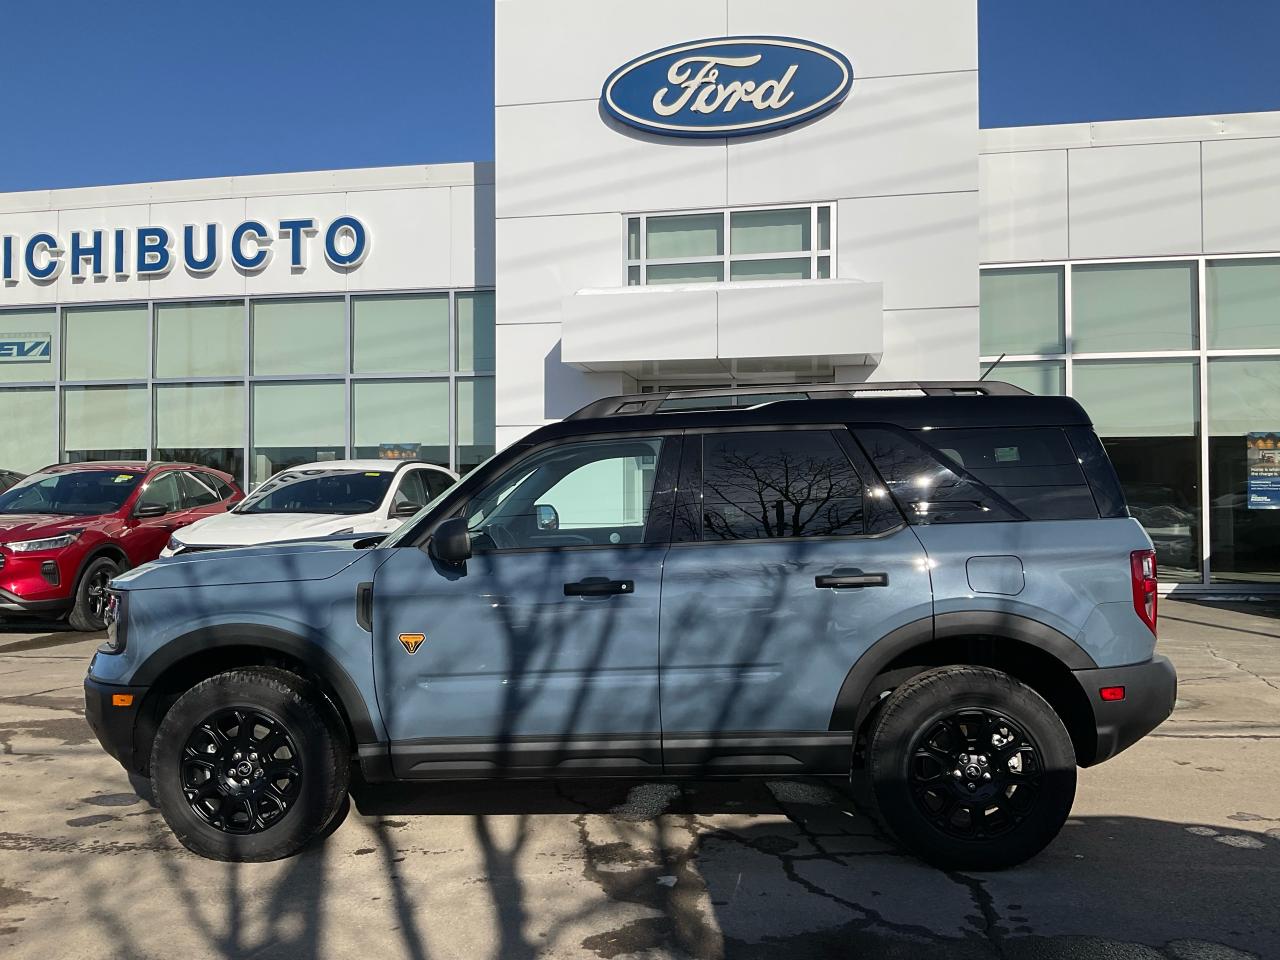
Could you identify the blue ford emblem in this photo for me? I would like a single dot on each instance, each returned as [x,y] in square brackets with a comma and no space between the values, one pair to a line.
[727,86]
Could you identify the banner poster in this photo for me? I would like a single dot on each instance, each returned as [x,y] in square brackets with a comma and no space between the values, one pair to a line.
[1263,466]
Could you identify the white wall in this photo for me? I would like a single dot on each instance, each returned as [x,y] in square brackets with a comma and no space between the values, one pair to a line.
[1135,188]
[429,226]
[898,158]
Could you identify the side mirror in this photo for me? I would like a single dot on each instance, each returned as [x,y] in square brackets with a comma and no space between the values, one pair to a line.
[406,509]
[547,517]
[451,543]
[148,510]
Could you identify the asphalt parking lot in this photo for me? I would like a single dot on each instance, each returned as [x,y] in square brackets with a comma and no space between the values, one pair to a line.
[1173,850]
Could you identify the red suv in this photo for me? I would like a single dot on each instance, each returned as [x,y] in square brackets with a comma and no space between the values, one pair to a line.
[68,529]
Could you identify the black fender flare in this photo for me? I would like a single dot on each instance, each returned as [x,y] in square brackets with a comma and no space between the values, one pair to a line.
[849,710]
[265,638]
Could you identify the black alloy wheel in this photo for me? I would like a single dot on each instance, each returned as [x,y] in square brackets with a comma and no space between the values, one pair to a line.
[970,768]
[241,771]
[89,608]
[975,773]
[96,591]
[250,765]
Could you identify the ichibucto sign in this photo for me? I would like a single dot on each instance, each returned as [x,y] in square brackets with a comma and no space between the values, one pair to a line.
[727,86]
[153,251]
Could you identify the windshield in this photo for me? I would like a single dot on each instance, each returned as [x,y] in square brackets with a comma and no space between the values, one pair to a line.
[79,493]
[320,491]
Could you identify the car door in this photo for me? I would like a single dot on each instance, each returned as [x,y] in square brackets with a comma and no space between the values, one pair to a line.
[200,498]
[539,654]
[782,572]
[148,534]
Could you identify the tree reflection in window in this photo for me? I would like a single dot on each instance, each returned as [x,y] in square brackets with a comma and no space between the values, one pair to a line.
[778,484]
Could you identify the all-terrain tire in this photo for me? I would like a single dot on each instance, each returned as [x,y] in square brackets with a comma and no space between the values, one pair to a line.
[89,606]
[969,721]
[288,710]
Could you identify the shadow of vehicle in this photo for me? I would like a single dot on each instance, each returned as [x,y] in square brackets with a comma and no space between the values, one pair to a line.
[796,868]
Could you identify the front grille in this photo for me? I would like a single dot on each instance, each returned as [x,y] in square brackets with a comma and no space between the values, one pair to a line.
[203,548]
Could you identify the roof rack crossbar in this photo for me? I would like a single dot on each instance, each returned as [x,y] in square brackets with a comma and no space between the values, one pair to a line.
[756,395]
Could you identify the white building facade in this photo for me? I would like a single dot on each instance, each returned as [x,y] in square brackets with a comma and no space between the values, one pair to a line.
[684,194]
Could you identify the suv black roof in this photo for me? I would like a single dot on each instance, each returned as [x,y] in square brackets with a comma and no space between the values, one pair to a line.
[913,405]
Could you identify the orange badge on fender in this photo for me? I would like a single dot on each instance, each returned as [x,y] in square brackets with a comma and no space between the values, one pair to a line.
[412,641]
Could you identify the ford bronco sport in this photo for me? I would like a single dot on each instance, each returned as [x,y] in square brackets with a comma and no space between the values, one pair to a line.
[937,585]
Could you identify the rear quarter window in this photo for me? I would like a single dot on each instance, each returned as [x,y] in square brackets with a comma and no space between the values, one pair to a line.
[981,474]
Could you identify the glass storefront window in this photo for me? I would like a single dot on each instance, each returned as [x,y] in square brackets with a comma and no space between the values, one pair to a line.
[105,423]
[770,231]
[200,339]
[1134,307]
[296,423]
[1044,378]
[299,336]
[28,346]
[1244,399]
[476,417]
[35,445]
[685,272]
[1147,413]
[402,418]
[792,268]
[476,316]
[1242,298]
[696,235]
[774,244]
[201,423]
[401,334]
[106,343]
[1022,311]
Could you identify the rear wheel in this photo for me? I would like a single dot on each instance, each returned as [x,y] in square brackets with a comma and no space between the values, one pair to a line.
[249,765]
[971,769]
[88,613]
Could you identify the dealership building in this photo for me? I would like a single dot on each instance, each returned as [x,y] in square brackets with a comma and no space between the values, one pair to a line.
[693,193]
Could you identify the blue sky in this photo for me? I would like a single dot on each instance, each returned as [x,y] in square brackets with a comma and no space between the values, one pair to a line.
[103,91]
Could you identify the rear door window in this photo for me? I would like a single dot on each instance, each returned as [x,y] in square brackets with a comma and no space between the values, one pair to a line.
[196,491]
[778,484]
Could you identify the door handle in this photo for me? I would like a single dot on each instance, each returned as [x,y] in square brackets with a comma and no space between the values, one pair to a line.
[845,581]
[598,587]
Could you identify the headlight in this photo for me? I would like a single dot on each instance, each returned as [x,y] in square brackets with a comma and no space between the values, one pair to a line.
[116,617]
[175,544]
[45,543]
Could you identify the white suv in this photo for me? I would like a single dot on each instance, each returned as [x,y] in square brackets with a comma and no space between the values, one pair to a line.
[318,500]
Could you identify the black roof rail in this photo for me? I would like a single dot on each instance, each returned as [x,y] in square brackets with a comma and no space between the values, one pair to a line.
[739,398]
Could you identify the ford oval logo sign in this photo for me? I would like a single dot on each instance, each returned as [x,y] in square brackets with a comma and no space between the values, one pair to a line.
[727,86]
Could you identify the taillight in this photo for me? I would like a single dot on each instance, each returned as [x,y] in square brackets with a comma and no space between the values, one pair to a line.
[1142,564]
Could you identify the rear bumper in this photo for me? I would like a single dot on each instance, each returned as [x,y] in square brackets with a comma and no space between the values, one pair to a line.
[1150,690]
[114,723]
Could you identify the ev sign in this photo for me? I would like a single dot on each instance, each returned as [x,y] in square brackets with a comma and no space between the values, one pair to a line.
[25,347]
[728,86]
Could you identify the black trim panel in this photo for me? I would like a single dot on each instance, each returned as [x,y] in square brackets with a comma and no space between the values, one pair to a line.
[757,752]
[1150,691]
[267,638]
[112,725]
[852,704]
[638,755]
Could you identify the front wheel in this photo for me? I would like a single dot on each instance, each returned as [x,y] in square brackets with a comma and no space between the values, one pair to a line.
[249,765]
[89,609]
[971,769]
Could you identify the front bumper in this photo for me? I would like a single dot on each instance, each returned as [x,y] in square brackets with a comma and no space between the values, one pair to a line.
[1150,690]
[13,603]
[113,721]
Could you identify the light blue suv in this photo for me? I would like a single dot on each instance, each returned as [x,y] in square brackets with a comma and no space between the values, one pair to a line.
[936,585]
